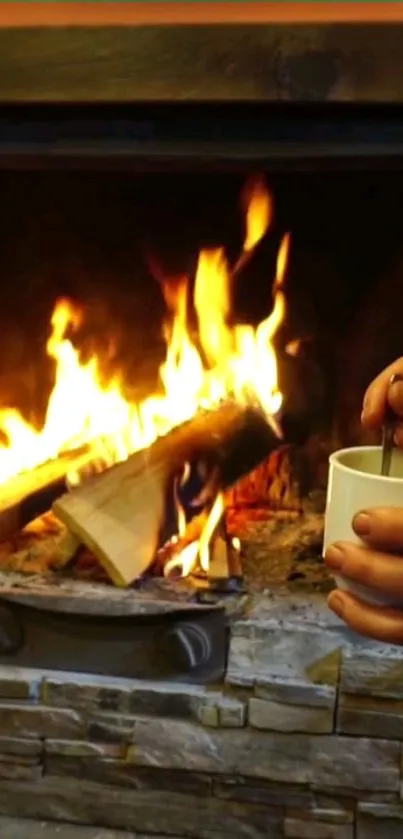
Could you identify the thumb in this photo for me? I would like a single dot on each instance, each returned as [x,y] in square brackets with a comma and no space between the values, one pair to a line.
[395,398]
[380,394]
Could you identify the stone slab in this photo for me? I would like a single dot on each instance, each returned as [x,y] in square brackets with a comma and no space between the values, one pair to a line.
[29,829]
[293,797]
[373,673]
[295,692]
[303,655]
[131,696]
[179,745]
[367,716]
[277,716]
[364,764]
[14,688]
[110,728]
[20,771]
[124,698]
[259,791]
[20,747]
[66,595]
[319,759]
[21,760]
[352,794]
[231,713]
[86,693]
[299,829]
[83,748]
[335,814]
[291,610]
[123,774]
[138,810]
[294,637]
[378,820]
[32,721]
[19,682]
[208,715]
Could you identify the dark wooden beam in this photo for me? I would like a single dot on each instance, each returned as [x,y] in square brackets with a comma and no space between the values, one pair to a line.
[247,62]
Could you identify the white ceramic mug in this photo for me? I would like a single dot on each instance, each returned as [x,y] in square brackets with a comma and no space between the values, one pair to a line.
[355,484]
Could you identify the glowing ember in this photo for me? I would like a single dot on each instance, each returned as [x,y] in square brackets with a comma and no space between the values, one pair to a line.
[236,361]
[293,347]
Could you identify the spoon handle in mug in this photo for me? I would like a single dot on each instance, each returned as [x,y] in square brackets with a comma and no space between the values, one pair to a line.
[389,431]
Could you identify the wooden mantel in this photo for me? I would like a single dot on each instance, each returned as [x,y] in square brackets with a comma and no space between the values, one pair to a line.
[188,12]
[198,51]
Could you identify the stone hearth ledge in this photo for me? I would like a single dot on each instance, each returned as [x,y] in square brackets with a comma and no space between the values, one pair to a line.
[303,739]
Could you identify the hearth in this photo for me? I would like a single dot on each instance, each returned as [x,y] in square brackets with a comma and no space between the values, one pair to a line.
[208,692]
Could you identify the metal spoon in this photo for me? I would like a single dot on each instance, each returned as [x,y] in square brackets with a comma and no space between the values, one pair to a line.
[389,429]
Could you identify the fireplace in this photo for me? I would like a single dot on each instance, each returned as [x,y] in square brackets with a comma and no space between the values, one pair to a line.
[117,249]
[142,266]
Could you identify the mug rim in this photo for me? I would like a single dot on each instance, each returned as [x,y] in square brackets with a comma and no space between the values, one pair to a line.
[334,461]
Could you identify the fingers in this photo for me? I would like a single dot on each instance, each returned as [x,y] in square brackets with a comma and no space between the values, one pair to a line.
[372,565]
[382,624]
[380,393]
[379,571]
[381,527]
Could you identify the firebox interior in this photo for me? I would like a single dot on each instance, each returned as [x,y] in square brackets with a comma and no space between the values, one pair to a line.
[107,209]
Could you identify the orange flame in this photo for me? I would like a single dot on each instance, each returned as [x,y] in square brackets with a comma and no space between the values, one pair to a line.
[293,347]
[237,361]
[258,214]
[214,518]
[198,550]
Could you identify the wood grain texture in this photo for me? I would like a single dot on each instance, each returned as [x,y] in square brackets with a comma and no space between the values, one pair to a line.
[310,62]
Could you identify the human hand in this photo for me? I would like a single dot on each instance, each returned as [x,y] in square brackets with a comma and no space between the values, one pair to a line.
[378,563]
[375,564]
[380,396]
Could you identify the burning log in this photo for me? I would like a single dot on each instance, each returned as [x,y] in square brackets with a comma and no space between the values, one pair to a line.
[118,515]
[29,494]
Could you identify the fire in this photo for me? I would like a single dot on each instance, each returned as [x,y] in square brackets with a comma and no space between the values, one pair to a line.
[224,360]
[197,551]
[215,516]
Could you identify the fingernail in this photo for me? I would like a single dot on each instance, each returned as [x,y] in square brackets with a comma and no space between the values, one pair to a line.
[334,557]
[362,524]
[336,603]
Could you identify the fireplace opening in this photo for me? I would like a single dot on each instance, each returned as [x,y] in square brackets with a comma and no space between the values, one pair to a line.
[120,285]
